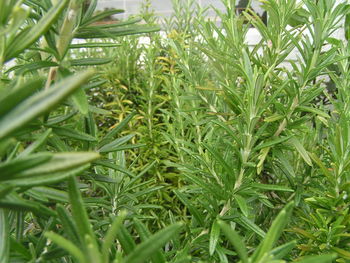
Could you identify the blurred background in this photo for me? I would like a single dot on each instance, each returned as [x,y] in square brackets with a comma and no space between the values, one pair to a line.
[164,7]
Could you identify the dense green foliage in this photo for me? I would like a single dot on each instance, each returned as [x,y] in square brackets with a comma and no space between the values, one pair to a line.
[194,147]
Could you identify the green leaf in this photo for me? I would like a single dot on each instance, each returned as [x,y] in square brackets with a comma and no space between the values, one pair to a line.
[112,133]
[123,23]
[40,103]
[219,158]
[210,188]
[114,145]
[242,204]
[327,258]
[5,189]
[274,232]
[323,168]
[286,167]
[36,144]
[67,245]
[52,193]
[13,167]
[83,62]
[129,146]
[247,223]
[14,202]
[111,236]
[272,142]
[313,110]
[92,249]
[59,162]
[235,240]
[144,250]
[70,229]
[101,16]
[342,252]
[80,215]
[299,18]
[61,118]
[283,250]
[74,134]
[96,32]
[111,165]
[45,179]
[158,256]
[80,100]
[4,237]
[4,12]
[11,98]
[26,40]
[90,11]
[300,148]
[126,240]
[94,45]
[20,249]
[347,27]
[193,210]
[25,68]
[214,237]
[271,187]
[303,233]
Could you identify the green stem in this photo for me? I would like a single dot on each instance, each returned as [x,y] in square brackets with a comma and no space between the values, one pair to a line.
[226,208]
[65,37]
[68,27]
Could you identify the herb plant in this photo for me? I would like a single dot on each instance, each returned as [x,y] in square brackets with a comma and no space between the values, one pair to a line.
[123,143]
